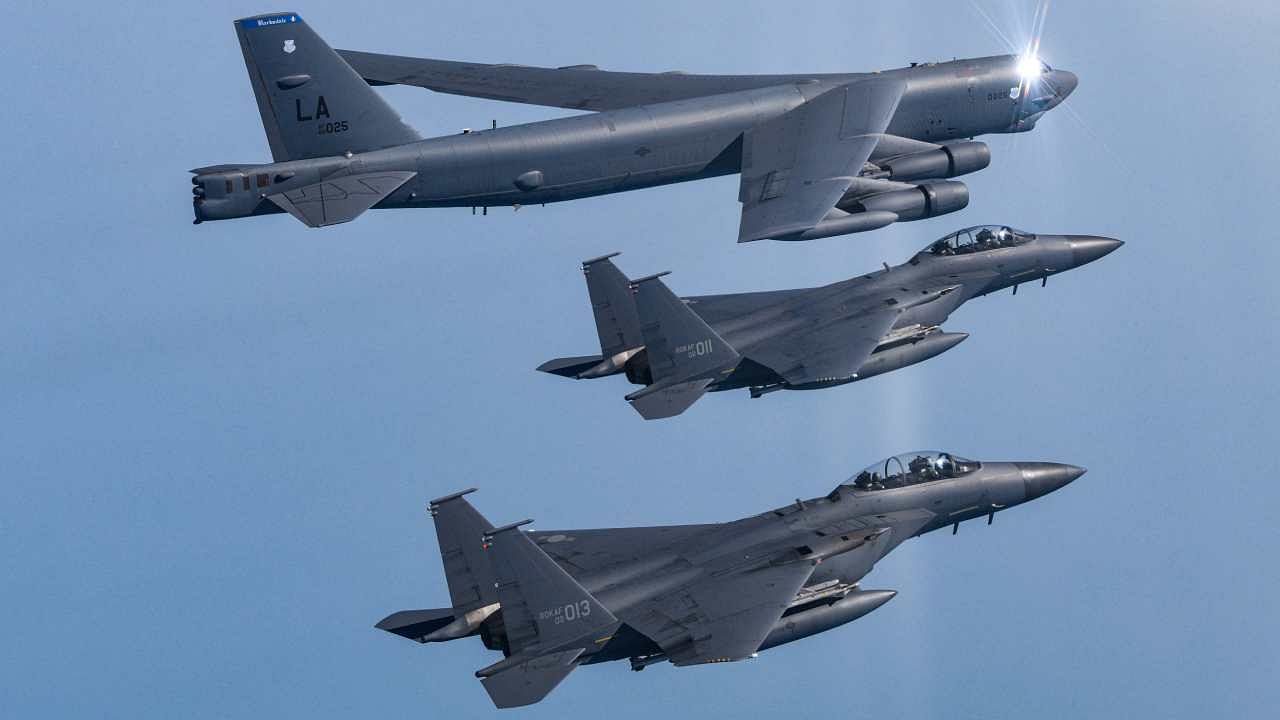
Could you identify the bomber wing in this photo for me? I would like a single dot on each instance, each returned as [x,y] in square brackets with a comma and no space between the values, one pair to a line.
[797,166]
[576,87]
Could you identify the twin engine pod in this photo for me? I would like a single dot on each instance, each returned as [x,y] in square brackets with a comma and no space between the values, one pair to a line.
[947,161]
[908,187]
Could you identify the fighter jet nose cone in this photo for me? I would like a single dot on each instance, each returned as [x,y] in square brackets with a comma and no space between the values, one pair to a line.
[1087,248]
[1043,478]
[1064,83]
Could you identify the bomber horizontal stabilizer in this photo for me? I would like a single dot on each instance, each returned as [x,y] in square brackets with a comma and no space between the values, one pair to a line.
[339,199]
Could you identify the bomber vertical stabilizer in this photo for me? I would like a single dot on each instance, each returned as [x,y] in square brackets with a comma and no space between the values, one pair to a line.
[312,103]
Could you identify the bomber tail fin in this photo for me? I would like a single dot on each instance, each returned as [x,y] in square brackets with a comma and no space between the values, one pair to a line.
[312,103]
[685,354]
[548,617]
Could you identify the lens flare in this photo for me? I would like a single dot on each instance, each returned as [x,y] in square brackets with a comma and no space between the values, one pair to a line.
[1030,67]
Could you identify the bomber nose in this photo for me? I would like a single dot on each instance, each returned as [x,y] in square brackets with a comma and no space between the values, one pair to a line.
[1042,478]
[1063,83]
[1087,248]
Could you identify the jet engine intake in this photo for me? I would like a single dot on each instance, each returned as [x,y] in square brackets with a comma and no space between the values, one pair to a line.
[946,162]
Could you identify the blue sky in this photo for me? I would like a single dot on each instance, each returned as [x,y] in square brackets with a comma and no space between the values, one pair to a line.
[218,441]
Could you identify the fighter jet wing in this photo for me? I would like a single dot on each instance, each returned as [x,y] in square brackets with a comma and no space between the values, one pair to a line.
[797,166]
[577,87]
[583,552]
[721,616]
[833,352]
[716,309]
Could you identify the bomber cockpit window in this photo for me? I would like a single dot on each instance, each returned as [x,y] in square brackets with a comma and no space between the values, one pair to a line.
[913,468]
[979,239]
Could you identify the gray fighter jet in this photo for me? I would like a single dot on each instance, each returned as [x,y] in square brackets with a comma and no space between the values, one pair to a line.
[693,594]
[680,348]
[819,155]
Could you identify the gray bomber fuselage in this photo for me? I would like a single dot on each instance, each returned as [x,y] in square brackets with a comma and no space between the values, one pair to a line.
[619,150]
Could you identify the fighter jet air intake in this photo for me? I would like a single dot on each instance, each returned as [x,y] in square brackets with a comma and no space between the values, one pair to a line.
[819,155]
[681,348]
[693,594]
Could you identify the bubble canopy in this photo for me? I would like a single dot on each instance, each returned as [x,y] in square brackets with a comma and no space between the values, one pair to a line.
[979,238]
[911,469]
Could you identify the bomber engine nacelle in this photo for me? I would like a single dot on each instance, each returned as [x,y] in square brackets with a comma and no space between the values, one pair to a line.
[945,162]
[871,204]
[926,200]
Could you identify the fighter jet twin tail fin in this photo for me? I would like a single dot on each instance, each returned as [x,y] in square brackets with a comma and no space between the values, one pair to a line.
[648,332]
[549,619]
[685,354]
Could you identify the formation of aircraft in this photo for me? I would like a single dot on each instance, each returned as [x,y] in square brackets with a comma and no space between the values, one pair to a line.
[818,155]
[681,348]
[693,594]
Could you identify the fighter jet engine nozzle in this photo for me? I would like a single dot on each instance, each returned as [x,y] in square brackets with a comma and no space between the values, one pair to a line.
[638,370]
[822,616]
[946,162]
[1042,478]
[926,200]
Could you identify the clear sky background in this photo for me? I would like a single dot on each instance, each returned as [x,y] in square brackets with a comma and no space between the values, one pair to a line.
[217,442]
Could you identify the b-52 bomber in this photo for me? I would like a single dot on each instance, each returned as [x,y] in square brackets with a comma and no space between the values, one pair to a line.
[681,348]
[694,594]
[819,155]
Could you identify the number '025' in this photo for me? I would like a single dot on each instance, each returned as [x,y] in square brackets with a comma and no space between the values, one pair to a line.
[329,128]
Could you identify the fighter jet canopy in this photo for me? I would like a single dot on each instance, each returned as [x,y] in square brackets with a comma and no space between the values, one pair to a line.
[912,468]
[979,238]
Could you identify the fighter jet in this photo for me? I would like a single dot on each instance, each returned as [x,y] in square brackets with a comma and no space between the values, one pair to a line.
[694,594]
[681,348]
[819,154]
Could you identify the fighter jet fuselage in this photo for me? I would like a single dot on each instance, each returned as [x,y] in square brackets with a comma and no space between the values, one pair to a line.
[700,127]
[695,594]
[810,338]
